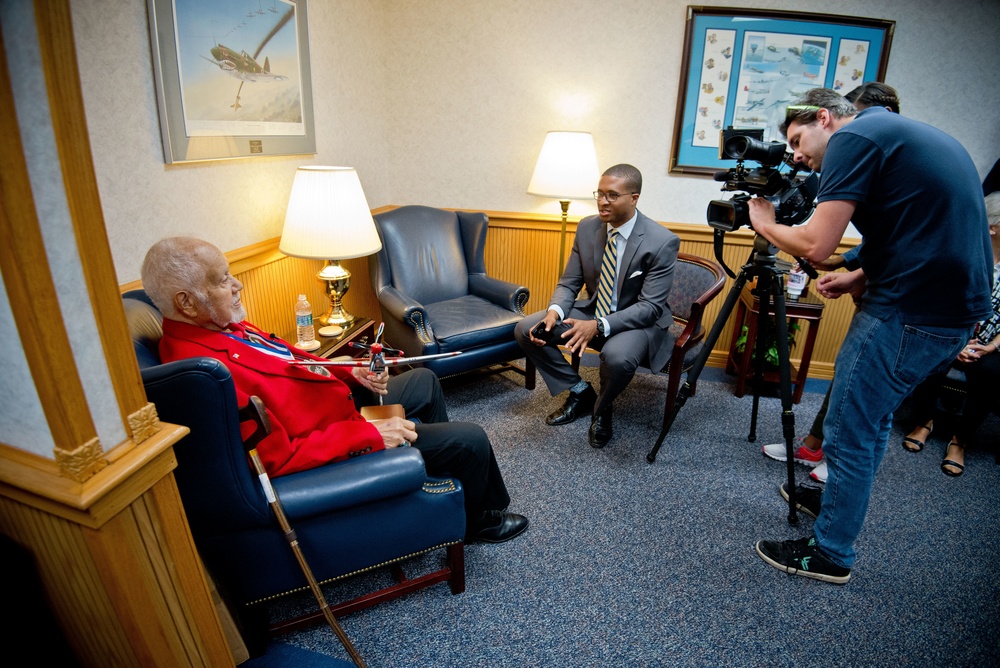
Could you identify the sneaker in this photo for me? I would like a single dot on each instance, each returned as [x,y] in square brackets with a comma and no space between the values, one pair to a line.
[802,557]
[819,473]
[803,455]
[807,498]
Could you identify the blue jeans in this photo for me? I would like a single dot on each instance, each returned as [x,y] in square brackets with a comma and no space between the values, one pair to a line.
[879,364]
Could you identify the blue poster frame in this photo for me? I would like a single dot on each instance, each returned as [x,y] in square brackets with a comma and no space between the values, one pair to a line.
[691,157]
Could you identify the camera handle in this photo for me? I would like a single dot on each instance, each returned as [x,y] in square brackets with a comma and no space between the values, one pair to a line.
[770,291]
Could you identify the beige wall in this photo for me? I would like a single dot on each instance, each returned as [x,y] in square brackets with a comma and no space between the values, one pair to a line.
[446,103]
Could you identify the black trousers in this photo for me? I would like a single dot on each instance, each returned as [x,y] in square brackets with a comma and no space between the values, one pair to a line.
[621,354]
[450,449]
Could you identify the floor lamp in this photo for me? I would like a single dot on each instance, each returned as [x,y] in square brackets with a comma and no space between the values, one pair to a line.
[566,170]
[328,219]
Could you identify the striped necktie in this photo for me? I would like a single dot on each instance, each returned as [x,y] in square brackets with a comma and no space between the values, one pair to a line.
[607,284]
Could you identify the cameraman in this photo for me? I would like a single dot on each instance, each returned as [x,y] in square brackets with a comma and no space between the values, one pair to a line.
[913,193]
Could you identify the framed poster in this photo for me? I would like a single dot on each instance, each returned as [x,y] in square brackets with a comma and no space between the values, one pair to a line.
[232,79]
[742,67]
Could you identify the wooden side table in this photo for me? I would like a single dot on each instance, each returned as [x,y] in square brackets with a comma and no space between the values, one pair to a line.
[808,308]
[362,331]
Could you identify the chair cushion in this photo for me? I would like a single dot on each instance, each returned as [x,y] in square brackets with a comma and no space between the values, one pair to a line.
[470,322]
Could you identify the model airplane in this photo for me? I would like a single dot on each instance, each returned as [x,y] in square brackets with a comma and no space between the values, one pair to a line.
[377,356]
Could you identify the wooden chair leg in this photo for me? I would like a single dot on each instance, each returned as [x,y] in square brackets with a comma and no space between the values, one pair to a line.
[456,564]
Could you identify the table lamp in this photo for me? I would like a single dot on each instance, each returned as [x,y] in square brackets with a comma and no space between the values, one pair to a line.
[566,170]
[328,219]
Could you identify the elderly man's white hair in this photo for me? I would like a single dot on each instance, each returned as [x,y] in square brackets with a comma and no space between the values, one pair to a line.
[172,265]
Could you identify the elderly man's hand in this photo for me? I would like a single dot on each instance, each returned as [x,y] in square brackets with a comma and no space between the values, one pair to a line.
[377,384]
[396,431]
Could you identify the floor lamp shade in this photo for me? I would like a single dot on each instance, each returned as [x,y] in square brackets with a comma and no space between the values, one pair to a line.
[566,167]
[328,219]
[566,170]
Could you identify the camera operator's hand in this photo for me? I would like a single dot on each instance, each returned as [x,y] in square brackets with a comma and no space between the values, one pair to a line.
[579,334]
[761,214]
[833,286]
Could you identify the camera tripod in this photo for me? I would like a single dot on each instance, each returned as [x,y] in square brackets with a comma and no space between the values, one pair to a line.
[770,289]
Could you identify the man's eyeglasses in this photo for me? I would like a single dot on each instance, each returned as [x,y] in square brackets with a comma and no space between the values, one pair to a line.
[612,197]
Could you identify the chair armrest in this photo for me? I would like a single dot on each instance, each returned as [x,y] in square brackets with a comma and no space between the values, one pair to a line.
[354,482]
[406,309]
[502,293]
[691,327]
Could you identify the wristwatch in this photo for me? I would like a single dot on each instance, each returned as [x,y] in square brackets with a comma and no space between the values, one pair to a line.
[600,327]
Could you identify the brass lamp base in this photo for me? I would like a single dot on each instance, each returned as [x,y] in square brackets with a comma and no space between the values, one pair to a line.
[339,281]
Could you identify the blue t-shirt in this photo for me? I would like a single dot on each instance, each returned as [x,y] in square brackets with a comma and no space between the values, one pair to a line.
[926,250]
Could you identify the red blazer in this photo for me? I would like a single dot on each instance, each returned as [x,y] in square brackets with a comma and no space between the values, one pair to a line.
[313,417]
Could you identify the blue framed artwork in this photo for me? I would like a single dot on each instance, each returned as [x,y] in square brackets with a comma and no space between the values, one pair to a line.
[742,67]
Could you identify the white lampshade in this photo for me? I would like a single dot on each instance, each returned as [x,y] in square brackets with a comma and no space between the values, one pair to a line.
[566,168]
[328,216]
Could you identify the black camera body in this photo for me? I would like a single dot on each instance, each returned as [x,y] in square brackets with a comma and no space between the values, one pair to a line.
[792,196]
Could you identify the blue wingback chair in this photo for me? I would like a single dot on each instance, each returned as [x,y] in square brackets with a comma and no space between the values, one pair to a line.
[435,296]
[349,516]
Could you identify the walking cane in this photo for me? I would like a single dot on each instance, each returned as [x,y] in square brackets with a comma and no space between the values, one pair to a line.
[255,411]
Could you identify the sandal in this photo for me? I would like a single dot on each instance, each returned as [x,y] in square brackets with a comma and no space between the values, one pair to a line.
[911,444]
[950,462]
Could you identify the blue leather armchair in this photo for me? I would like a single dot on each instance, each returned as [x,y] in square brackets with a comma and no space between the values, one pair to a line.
[435,296]
[350,516]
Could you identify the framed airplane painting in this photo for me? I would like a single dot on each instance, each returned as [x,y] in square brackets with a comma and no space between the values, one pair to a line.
[232,79]
[742,67]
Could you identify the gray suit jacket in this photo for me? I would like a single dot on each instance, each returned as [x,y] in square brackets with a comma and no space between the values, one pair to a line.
[644,282]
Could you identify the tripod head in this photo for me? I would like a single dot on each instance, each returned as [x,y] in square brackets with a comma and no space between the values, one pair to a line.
[763,258]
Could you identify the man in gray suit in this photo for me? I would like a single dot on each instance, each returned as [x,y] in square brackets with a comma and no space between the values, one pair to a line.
[625,314]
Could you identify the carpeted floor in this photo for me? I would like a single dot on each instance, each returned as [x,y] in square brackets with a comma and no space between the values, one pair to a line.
[632,564]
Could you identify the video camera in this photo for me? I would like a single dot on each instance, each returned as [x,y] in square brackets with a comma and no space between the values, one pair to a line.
[791,196]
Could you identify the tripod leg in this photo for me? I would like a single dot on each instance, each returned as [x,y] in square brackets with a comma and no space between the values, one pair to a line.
[763,292]
[699,363]
[785,374]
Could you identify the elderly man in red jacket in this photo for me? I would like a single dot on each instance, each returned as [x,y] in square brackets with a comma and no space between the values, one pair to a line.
[314,409]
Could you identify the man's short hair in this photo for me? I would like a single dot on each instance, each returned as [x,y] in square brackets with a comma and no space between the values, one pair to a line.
[874,94]
[631,175]
[804,109]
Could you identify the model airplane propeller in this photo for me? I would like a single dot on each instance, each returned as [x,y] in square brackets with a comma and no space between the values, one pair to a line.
[377,356]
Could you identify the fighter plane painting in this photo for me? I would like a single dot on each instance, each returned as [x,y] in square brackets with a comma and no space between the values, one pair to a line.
[239,67]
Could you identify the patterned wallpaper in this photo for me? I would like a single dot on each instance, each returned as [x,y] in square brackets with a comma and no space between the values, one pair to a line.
[447,102]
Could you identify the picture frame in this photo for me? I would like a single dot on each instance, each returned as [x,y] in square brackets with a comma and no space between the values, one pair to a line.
[742,67]
[232,80]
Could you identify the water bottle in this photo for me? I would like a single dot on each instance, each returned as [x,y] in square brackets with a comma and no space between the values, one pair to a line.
[304,323]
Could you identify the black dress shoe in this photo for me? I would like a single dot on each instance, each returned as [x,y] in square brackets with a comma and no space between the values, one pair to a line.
[600,429]
[498,526]
[576,405]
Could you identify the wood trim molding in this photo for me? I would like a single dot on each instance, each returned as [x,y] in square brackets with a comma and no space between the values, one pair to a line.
[41,482]
[69,123]
[31,289]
